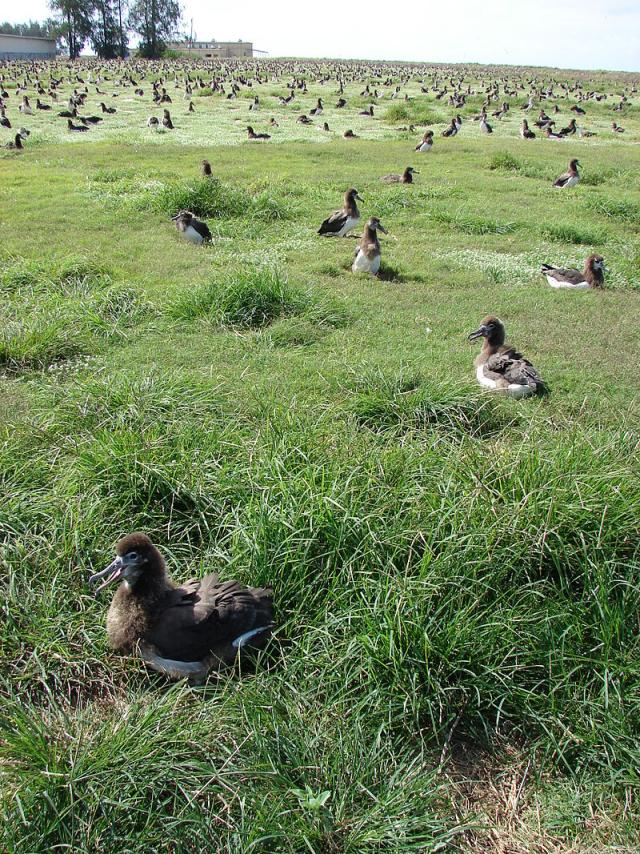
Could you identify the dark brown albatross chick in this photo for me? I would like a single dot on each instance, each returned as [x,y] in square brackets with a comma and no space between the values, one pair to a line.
[180,631]
[405,178]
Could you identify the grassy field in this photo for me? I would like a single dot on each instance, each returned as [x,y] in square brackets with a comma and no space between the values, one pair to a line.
[456,575]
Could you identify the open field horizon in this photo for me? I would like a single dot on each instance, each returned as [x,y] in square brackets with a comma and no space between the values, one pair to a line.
[456,574]
[458,63]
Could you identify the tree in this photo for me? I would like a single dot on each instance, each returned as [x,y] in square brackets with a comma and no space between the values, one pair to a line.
[105,36]
[121,8]
[155,21]
[73,18]
[31,28]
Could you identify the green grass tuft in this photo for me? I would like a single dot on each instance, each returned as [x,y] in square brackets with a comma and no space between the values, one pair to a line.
[52,313]
[470,223]
[617,209]
[66,276]
[206,197]
[504,161]
[251,298]
[245,299]
[574,234]
[412,112]
[406,402]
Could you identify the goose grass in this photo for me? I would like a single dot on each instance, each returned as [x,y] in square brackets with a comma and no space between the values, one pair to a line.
[624,209]
[567,232]
[456,575]
[208,198]
[469,223]
[254,298]
[54,314]
[402,403]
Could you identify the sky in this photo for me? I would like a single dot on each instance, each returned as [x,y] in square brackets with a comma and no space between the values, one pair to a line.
[585,34]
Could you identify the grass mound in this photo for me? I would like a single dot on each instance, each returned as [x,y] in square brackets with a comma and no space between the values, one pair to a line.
[52,313]
[252,298]
[134,403]
[210,198]
[204,197]
[137,451]
[413,112]
[566,232]
[66,276]
[595,177]
[617,209]
[112,176]
[401,403]
[504,161]
[470,223]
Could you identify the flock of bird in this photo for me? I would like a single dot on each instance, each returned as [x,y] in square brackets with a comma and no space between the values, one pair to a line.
[38,87]
[191,630]
[498,367]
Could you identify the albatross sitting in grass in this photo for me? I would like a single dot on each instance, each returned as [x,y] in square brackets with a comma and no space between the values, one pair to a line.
[251,134]
[15,144]
[367,258]
[499,367]
[426,143]
[191,228]
[569,178]
[340,223]
[181,631]
[405,178]
[592,276]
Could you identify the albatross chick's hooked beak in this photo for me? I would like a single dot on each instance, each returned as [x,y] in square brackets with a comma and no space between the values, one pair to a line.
[382,228]
[481,332]
[359,197]
[113,572]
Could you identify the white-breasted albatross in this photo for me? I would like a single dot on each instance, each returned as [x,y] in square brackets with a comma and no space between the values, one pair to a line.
[367,258]
[592,276]
[426,143]
[191,228]
[569,178]
[499,366]
[340,223]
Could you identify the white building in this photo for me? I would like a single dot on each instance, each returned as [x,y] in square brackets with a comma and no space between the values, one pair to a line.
[26,47]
